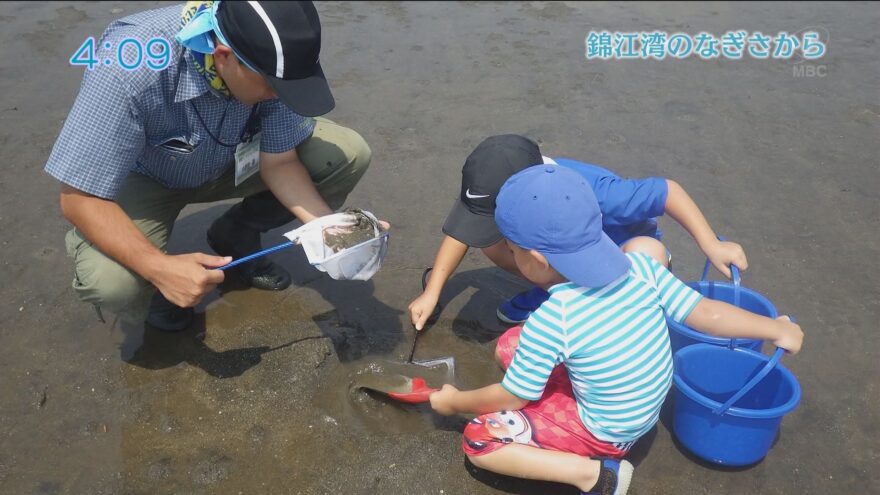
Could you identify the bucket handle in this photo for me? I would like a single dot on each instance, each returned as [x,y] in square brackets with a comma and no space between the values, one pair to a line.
[734,273]
[774,360]
[737,284]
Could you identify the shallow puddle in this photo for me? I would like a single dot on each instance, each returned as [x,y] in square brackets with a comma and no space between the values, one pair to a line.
[345,392]
[273,382]
[346,396]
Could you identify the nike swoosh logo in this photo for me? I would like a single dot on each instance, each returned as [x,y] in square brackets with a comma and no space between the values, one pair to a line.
[473,196]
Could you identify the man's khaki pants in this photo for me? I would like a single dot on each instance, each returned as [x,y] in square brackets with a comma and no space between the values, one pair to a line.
[336,158]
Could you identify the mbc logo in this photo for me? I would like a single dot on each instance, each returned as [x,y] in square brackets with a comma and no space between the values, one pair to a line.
[809,70]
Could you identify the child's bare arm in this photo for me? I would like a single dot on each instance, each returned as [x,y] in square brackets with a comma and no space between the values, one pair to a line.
[681,208]
[448,258]
[449,400]
[725,320]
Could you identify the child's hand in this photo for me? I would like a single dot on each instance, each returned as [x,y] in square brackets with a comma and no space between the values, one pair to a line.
[791,336]
[722,254]
[442,401]
[421,309]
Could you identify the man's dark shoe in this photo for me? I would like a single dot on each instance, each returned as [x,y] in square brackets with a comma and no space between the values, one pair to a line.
[229,238]
[168,317]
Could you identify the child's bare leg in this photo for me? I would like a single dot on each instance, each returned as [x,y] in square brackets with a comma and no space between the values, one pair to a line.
[647,245]
[523,461]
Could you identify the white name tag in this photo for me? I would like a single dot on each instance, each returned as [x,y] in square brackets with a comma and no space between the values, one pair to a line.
[247,159]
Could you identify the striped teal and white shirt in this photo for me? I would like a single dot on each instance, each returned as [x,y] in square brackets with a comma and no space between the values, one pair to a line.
[614,343]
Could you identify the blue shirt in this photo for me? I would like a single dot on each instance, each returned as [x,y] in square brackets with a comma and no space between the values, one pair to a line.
[629,206]
[614,343]
[148,122]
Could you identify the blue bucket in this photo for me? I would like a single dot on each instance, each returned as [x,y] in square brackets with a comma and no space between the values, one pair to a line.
[729,403]
[681,335]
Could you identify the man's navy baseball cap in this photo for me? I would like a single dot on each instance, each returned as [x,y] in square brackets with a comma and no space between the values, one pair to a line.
[493,161]
[282,41]
[554,211]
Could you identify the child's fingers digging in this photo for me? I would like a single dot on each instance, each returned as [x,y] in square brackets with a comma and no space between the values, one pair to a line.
[419,319]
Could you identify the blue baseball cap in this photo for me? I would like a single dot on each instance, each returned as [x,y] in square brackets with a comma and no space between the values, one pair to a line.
[554,211]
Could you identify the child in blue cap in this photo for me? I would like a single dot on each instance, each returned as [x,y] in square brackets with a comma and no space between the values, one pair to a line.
[587,373]
[629,208]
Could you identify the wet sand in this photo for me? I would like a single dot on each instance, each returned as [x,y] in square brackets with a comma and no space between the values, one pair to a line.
[257,397]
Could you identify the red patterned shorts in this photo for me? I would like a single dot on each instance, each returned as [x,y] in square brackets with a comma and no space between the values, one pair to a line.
[552,422]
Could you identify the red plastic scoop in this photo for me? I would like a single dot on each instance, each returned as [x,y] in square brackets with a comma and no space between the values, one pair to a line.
[419,392]
[409,390]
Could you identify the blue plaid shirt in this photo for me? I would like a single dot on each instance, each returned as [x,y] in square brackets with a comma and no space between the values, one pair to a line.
[148,122]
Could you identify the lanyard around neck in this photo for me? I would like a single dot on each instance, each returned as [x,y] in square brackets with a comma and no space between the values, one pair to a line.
[244,130]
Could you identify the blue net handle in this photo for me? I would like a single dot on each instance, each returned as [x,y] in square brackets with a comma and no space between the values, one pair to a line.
[257,255]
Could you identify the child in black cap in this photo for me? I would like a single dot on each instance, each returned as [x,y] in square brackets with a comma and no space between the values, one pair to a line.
[629,210]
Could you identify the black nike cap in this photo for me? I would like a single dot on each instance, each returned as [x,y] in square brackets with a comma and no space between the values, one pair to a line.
[282,41]
[493,161]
